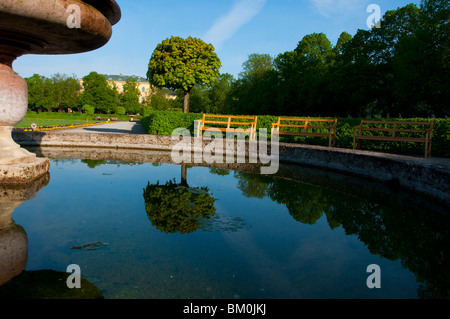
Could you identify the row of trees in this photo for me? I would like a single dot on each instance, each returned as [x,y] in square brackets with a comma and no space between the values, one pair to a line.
[401,68]
[61,93]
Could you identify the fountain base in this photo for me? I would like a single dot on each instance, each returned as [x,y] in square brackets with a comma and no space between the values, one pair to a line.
[17,165]
[23,173]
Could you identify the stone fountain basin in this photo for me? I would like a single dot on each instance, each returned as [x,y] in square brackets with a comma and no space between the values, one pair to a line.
[41,26]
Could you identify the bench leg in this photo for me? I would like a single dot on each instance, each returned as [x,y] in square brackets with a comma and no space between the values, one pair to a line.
[428,148]
[198,128]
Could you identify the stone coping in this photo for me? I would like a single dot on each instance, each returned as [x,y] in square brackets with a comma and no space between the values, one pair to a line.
[429,177]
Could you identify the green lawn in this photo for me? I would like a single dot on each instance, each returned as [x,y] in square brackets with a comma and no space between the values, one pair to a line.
[26,123]
[46,119]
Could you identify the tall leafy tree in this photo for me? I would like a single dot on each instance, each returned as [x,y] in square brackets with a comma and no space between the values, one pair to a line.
[315,49]
[98,93]
[338,75]
[160,101]
[212,98]
[58,92]
[39,93]
[314,57]
[289,72]
[358,76]
[218,93]
[65,91]
[422,77]
[129,98]
[400,67]
[344,38]
[256,66]
[179,63]
[255,90]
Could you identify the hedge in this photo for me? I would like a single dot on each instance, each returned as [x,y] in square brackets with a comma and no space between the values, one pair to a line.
[165,122]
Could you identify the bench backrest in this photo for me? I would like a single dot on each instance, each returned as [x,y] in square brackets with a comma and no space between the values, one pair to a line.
[230,120]
[397,127]
[307,123]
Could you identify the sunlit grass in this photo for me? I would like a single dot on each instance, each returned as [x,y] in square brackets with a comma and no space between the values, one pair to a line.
[26,123]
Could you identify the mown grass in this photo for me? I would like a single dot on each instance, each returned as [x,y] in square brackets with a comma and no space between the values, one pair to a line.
[26,123]
[47,119]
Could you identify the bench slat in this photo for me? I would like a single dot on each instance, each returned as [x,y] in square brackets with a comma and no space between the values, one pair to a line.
[207,119]
[232,117]
[398,123]
[307,127]
[304,134]
[224,129]
[358,133]
[232,123]
[287,125]
[304,120]
[376,129]
[215,122]
[392,139]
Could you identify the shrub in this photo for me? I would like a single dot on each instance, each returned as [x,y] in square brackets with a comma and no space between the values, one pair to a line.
[89,110]
[120,110]
[165,122]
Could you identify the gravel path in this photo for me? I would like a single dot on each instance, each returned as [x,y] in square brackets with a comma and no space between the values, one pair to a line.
[111,128]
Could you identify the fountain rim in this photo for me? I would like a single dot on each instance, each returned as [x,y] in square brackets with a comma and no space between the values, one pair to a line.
[42,27]
[110,9]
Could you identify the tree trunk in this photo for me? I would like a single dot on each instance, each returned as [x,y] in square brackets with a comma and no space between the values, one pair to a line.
[186,102]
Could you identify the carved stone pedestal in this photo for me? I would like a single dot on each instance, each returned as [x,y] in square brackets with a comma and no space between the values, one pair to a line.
[17,165]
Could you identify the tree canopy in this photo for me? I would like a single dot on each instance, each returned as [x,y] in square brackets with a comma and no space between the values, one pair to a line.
[98,93]
[58,92]
[401,69]
[179,63]
[129,98]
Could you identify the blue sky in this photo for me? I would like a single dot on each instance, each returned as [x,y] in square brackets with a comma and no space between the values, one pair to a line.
[237,28]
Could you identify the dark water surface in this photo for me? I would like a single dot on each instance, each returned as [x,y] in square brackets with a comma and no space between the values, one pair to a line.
[137,231]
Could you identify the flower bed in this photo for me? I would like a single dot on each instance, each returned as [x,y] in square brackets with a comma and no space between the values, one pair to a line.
[59,127]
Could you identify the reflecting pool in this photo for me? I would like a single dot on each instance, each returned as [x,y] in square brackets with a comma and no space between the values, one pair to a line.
[155,230]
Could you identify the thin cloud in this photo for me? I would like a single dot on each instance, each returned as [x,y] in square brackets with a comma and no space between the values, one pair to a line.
[330,8]
[224,28]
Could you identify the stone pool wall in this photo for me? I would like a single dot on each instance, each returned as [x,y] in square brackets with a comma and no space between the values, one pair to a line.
[430,177]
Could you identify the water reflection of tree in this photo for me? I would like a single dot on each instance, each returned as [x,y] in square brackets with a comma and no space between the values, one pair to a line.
[394,231]
[178,208]
[406,235]
[95,163]
[306,205]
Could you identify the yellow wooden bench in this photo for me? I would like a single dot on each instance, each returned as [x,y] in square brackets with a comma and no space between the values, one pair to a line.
[393,133]
[233,124]
[310,127]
